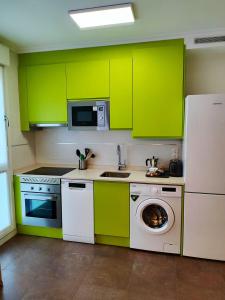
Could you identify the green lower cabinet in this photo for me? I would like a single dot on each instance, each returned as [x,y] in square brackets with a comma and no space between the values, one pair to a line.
[30,230]
[158,99]
[111,213]
[121,93]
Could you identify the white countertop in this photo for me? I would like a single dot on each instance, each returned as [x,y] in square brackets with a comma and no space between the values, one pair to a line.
[135,176]
[93,173]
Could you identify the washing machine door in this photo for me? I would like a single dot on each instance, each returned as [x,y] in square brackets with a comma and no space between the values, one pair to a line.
[155,216]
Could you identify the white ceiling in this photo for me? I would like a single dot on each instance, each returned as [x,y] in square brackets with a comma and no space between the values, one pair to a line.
[38,25]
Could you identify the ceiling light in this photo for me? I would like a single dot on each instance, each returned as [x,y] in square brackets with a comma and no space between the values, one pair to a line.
[102,16]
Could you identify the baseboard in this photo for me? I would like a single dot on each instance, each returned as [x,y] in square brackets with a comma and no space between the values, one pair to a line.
[8,237]
[112,240]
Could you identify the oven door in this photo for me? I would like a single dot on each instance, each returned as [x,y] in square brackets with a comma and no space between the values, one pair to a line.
[41,209]
[83,115]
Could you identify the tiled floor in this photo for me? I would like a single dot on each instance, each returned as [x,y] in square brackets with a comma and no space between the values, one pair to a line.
[41,268]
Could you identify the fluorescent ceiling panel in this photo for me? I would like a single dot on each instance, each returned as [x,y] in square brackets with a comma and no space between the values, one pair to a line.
[103,16]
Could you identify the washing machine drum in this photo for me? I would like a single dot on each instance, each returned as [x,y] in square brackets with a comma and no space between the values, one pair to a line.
[155,216]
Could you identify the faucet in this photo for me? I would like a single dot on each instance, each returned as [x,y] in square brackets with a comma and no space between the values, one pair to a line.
[120,165]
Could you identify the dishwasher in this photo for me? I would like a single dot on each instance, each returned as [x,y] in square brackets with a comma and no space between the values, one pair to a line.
[77,211]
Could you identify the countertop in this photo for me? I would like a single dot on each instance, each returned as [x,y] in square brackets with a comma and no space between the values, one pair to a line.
[94,172]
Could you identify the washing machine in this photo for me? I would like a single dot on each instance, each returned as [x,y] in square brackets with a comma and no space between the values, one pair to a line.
[155,217]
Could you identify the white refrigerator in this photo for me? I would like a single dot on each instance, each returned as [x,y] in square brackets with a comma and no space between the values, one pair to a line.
[204,172]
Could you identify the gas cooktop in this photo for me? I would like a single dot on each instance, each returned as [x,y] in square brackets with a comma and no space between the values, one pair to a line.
[54,171]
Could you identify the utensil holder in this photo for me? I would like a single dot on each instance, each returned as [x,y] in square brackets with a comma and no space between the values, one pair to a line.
[82,164]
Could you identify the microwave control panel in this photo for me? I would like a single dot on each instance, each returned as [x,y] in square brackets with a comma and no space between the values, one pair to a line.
[101,115]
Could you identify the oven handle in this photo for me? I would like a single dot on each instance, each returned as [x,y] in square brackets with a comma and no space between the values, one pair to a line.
[41,197]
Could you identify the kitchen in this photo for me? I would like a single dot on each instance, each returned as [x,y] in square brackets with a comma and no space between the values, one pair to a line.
[131,147]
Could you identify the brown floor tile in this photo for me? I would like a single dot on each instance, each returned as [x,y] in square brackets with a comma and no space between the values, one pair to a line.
[15,285]
[47,288]
[153,275]
[109,272]
[42,268]
[95,292]
[201,274]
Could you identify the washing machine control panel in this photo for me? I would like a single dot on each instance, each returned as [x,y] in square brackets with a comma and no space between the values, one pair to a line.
[155,190]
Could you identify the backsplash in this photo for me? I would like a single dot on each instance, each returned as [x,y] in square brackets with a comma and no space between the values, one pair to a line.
[58,145]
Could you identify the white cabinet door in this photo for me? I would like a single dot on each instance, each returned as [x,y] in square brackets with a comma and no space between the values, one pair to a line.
[77,211]
[204,226]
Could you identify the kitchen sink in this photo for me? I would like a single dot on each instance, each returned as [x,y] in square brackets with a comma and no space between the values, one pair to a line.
[115,174]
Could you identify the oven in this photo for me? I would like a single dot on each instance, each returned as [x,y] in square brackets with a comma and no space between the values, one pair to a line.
[41,201]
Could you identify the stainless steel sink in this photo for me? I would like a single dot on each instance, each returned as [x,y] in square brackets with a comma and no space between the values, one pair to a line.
[115,174]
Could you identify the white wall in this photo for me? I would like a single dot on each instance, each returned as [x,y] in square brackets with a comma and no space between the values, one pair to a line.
[22,149]
[205,71]
[59,146]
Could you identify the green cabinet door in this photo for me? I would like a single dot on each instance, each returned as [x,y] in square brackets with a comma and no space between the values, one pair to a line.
[88,79]
[111,208]
[46,93]
[121,93]
[22,82]
[158,90]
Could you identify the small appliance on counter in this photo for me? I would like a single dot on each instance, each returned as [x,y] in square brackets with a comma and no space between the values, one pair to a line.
[83,158]
[176,168]
[153,170]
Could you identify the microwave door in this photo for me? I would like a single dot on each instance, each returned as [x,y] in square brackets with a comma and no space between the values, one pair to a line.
[84,117]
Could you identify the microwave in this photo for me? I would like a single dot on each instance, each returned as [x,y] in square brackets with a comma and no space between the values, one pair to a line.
[88,114]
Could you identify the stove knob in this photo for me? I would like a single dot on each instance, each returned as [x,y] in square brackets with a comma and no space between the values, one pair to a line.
[49,190]
[32,188]
[40,188]
[154,190]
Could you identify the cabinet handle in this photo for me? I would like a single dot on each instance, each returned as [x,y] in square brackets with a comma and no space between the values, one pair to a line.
[77,185]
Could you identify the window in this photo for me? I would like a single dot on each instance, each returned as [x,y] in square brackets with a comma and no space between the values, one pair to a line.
[5,200]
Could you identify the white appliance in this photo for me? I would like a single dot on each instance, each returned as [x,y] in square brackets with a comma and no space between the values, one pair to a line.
[77,211]
[155,217]
[204,154]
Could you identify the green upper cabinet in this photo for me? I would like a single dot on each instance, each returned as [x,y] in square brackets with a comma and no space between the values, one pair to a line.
[121,93]
[22,82]
[111,208]
[158,90]
[46,93]
[88,79]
